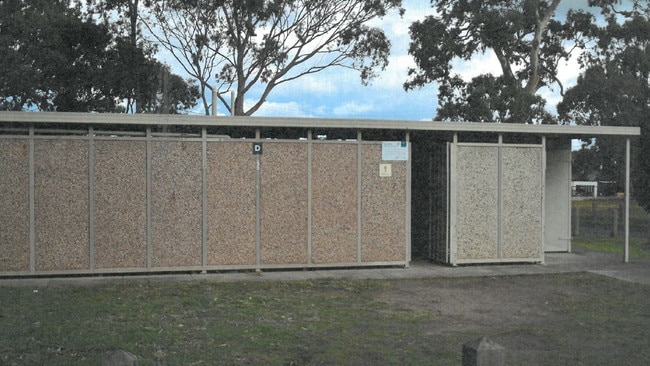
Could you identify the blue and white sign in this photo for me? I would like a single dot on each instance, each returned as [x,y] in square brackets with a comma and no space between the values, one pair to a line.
[394,150]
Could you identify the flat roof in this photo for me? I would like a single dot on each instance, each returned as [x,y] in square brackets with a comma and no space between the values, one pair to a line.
[298,122]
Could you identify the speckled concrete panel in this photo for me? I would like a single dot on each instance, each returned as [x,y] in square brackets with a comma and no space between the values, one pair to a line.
[176,199]
[61,204]
[231,203]
[284,203]
[383,208]
[14,205]
[334,203]
[477,185]
[522,202]
[120,212]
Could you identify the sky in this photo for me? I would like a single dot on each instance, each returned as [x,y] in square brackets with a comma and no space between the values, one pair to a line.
[338,92]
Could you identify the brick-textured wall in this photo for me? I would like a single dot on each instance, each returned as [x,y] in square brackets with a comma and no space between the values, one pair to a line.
[61,201]
[477,202]
[522,203]
[284,203]
[498,198]
[134,204]
[231,204]
[334,203]
[383,211]
[14,205]
[120,207]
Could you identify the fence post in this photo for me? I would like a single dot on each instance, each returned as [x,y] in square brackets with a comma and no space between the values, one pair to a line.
[615,222]
[594,209]
[576,221]
[483,352]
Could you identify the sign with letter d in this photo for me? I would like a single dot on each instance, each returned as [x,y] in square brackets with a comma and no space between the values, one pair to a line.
[257,148]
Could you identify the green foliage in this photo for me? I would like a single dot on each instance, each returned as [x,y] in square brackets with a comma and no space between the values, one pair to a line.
[615,91]
[48,55]
[53,60]
[523,35]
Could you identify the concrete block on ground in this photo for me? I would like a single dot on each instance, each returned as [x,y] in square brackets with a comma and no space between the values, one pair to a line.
[483,352]
[120,358]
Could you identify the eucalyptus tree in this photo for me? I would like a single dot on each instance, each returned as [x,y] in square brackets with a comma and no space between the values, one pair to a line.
[49,58]
[526,37]
[54,59]
[122,17]
[239,45]
[615,91]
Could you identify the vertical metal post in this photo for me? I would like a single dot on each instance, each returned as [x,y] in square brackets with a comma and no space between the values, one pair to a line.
[91,198]
[407,211]
[359,196]
[258,203]
[32,205]
[148,194]
[309,196]
[543,193]
[215,100]
[204,197]
[429,199]
[232,103]
[568,187]
[499,247]
[626,254]
[452,201]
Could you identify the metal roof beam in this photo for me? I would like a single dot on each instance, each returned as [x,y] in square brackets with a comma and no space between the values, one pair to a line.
[240,121]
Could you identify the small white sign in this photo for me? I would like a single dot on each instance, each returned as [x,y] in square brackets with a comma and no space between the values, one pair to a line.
[394,150]
[385,170]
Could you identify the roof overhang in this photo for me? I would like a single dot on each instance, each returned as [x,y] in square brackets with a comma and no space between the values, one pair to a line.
[327,123]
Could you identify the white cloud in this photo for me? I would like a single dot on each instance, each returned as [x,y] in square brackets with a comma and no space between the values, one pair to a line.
[486,63]
[569,70]
[283,109]
[311,84]
[352,109]
[395,74]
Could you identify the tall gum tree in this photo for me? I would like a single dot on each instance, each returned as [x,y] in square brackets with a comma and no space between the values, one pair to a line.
[121,16]
[525,36]
[53,58]
[615,91]
[241,44]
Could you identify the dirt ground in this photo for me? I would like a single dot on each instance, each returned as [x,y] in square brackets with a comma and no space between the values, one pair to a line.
[535,318]
[540,314]
[509,304]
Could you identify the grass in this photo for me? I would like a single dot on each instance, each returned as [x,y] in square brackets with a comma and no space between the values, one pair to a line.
[585,319]
[603,321]
[639,247]
[596,223]
[186,323]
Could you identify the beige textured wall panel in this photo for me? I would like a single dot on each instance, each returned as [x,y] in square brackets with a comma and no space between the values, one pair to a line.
[231,203]
[14,205]
[284,203]
[557,197]
[334,203]
[522,202]
[61,204]
[383,205]
[477,175]
[120,212]
[176,198]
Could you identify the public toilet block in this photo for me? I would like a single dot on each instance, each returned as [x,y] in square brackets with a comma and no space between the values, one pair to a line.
[108,193]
